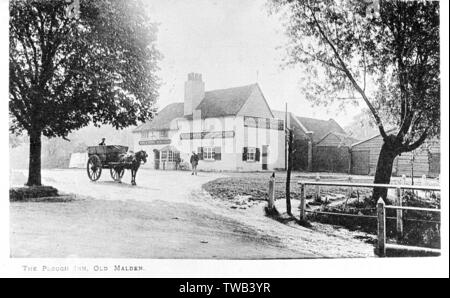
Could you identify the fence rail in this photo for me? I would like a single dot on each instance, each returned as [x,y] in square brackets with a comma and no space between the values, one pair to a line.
[372,185]
[381,210]
[413,208]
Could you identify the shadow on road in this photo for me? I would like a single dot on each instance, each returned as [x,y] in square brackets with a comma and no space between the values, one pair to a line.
[124,185]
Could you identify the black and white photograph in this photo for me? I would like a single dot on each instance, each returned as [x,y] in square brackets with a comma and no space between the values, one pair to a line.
[238,138]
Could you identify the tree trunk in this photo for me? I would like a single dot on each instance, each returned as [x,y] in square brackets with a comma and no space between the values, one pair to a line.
[384,171]
[34,167]
[288,174]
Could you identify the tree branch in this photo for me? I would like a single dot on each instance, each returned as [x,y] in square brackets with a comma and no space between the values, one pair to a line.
[349,75]
[417,143]
[329,63]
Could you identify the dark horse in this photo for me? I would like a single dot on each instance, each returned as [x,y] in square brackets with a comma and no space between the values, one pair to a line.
[132,162]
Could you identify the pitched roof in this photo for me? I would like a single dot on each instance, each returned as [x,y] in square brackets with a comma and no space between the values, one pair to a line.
[390,130]
[225,102]
[320,128]
[343,138]
[164,118]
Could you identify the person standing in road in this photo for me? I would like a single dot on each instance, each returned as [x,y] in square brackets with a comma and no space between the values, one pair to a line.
[194,163]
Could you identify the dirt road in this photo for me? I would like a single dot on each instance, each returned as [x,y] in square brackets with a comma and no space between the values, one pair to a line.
[166,216]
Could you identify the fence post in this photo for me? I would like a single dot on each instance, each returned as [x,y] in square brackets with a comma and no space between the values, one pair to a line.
[424,179]
[350,179]
[381,228]
[317,187]
[349,193]
[399,215]
[424,182]
[271,192]
[302,202]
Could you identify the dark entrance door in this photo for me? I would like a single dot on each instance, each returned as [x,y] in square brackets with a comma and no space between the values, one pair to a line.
[156,159]
[265,153]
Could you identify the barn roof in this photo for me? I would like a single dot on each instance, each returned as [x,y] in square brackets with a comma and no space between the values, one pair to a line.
[391,130]
[343,138]
[320,128]
[164,118]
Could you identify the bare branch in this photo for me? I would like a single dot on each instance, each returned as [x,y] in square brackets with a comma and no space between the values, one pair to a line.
[329,63]
[349,75]
[417,143]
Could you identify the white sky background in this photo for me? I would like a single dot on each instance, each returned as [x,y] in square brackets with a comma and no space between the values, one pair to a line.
[229,42]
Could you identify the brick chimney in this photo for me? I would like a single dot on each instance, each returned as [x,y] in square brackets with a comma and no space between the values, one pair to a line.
[194,92]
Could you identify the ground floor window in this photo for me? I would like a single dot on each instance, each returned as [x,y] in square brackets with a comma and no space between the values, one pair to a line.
[163,155]
[208,153]
[169,156]
[251,154]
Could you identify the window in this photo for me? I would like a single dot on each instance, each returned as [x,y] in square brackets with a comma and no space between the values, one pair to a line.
[144,134]
[169,156]
[163,155]
[251,154]
[208,153]
[163,133]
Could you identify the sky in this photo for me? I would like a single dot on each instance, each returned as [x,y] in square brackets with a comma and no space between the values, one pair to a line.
[231,43]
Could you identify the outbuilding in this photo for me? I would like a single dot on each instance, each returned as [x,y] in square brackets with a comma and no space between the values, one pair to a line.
[423,161]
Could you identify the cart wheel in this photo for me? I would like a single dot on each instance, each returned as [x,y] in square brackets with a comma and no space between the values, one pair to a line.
[117,173]
[94,167]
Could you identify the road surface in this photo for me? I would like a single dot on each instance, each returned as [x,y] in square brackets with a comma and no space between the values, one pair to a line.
[167,215]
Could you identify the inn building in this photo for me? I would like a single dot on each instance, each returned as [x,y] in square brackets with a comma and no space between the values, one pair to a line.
[231,129]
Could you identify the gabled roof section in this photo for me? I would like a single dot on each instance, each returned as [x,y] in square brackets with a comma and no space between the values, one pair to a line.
[391,130]
[225,102]
[343,138]
[256,105]
[320,128]
[164,118]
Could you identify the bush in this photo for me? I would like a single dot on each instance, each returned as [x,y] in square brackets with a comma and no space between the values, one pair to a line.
[26,193]
[420,228]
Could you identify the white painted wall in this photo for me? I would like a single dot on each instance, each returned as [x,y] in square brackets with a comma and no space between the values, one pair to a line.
[231,148]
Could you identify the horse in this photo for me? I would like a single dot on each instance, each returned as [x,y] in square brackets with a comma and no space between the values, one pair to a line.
[132,161]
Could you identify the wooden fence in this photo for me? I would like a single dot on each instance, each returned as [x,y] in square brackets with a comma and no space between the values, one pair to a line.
[381,211]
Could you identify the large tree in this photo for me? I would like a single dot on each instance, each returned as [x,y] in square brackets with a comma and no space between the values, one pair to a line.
[73,62]
[384,54]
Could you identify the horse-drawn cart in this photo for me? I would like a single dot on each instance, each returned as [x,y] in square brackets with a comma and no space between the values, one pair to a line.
[105,157]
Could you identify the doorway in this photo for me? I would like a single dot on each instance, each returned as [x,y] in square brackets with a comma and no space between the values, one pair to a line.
[265,154]
[156,159]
